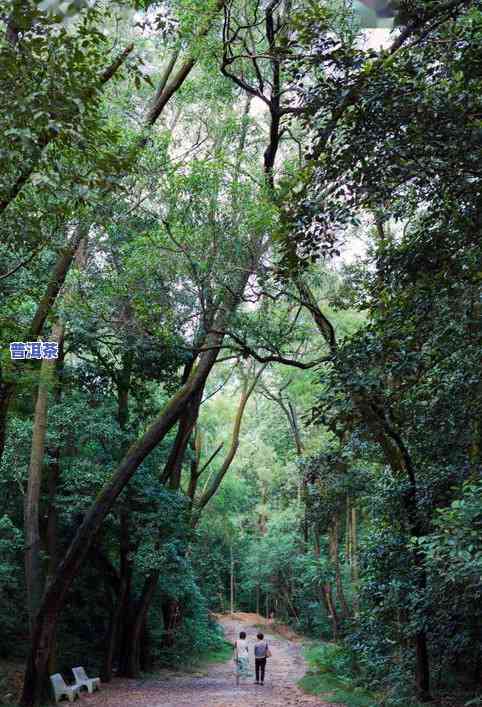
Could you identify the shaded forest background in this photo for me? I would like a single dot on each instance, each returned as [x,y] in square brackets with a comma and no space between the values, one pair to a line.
[256,241]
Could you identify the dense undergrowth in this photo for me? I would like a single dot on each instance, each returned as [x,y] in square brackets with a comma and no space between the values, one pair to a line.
[332,678]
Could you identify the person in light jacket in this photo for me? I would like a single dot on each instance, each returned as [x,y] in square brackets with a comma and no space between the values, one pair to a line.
[241,657]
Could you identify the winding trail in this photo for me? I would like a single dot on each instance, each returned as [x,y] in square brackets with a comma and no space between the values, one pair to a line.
[215,686]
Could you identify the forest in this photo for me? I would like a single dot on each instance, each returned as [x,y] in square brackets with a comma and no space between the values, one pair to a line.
[240,352]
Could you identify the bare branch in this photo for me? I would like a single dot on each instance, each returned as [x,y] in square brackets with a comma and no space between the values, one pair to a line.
[211,459]
[274,358]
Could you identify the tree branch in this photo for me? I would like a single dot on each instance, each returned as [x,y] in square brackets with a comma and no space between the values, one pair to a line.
[216,482]
[274,358]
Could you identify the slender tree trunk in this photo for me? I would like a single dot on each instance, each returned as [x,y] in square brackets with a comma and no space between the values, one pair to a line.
[354,558]
[170,615]
[117,624]
[132,659]
[118,620]
[123,389]
[354,544]
[146,662]
[335,558]
[52,549]
[326,595]
[423,667]
[173,469]
[113,633]
[231,579]
[331,609]
[476,424]
[33,570]
[52,482]
[7,391]
[348,538]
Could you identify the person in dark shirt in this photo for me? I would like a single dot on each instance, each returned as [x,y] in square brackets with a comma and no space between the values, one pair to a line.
[261,653]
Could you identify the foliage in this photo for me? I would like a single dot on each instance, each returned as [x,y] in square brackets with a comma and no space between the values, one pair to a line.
[332,677]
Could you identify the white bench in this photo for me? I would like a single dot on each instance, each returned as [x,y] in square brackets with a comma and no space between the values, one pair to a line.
[61,689]
[82,680]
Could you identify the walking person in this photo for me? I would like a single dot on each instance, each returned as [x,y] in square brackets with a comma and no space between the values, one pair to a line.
[261,653]
[241,657]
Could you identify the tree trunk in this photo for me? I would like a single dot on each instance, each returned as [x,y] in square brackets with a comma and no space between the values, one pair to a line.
[131,667]
[52,482]
[330,604]
[52,549]
[423,668]
[348,533]
[326,595]
[231,579]
[335,558]
[173,469]
[118,620]
[146,661]
[354,544]
[7,391]
[53,476]
[112,634]
[475,448]
[123,389]
[33,569]
[169,613]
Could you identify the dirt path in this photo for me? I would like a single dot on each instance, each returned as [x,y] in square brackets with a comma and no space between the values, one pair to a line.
[216,686]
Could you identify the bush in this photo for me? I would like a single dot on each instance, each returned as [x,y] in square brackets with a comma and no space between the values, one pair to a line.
[333,674]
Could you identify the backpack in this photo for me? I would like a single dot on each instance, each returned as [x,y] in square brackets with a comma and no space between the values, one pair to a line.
[261,651]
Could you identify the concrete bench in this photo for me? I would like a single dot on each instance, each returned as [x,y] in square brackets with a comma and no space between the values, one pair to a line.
[61,689]
[82,680]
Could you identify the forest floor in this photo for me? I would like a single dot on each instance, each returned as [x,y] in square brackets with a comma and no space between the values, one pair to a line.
[215,685]
[210,685]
